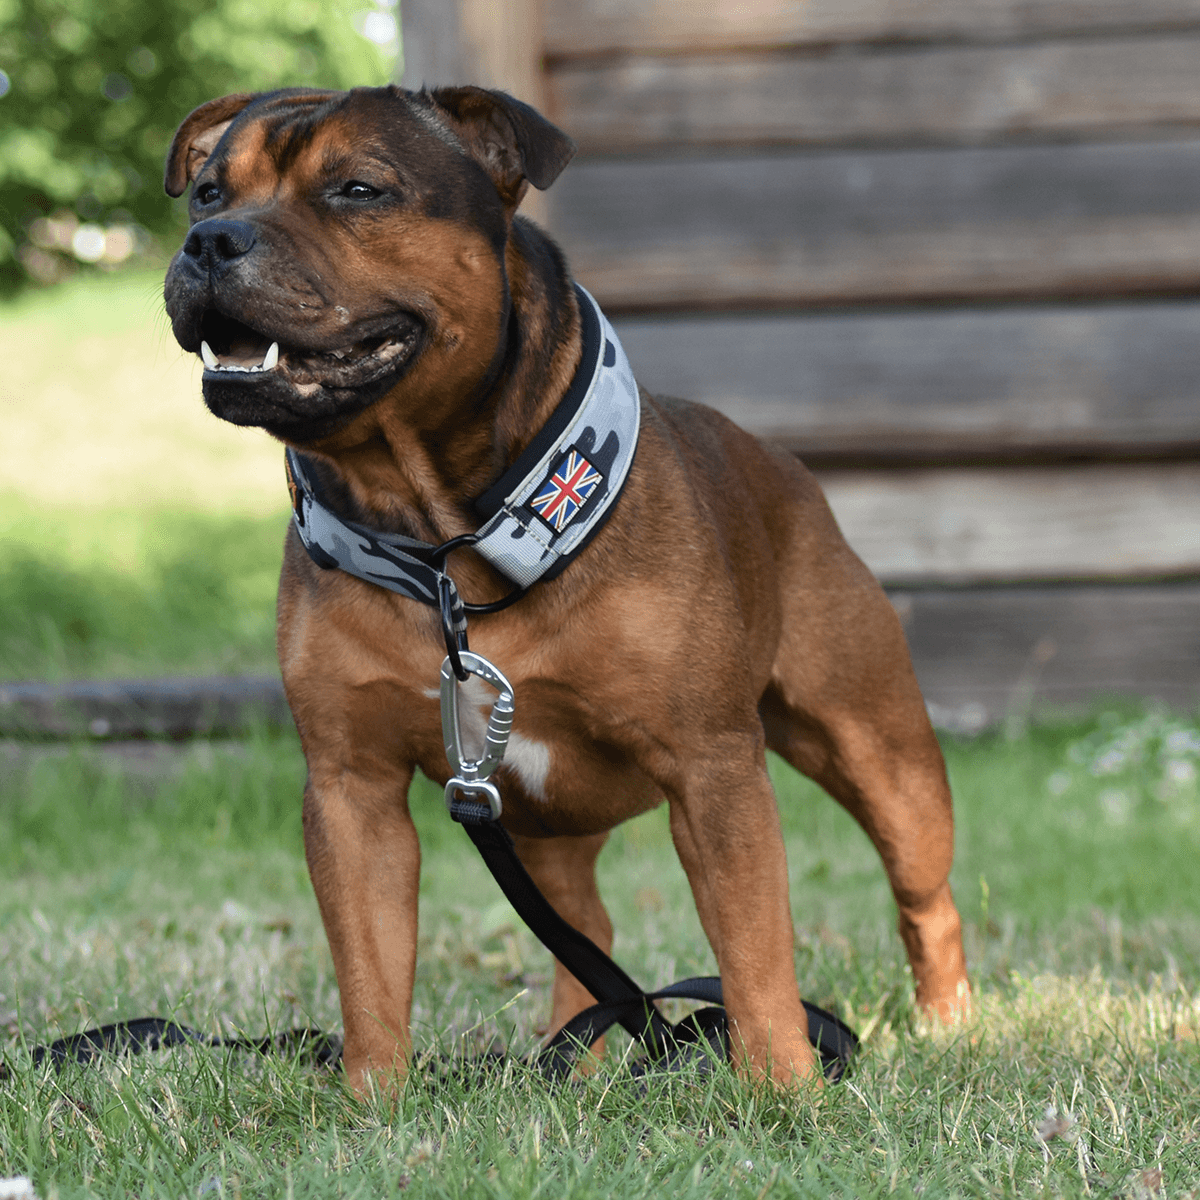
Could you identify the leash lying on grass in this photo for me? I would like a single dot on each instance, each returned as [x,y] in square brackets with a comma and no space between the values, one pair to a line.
[703,1033]
[155,1033]
[474,802]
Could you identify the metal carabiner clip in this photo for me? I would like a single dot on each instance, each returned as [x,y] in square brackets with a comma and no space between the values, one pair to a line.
[470,776]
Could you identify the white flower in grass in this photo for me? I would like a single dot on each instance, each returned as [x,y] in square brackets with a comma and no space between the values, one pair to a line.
[1117,805]
[1058,783]
[1055,1125]
[1183,741]
[1179,771]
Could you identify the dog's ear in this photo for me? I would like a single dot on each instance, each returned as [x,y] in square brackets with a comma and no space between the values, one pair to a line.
[197,137]
[514,143]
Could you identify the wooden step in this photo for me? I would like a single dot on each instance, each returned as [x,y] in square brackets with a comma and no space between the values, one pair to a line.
[216,706]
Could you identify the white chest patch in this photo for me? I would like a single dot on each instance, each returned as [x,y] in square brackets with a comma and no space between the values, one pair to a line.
[527,759]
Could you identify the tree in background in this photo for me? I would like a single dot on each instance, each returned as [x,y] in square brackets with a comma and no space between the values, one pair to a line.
[91,93]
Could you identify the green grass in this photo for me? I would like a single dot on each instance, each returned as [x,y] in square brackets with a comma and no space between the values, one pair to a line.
[175,885]
[142,537]
[102,410]
[139,535]
[127,593]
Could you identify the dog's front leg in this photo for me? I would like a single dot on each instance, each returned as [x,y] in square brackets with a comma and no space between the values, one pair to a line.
[365,862]
[726,831]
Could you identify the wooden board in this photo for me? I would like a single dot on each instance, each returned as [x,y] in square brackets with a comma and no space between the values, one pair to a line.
[824,229]
[990,383]
[480,42]
[1101,87]
[473,41]
[596,27]
[978,524]
[982,653]
[218,706]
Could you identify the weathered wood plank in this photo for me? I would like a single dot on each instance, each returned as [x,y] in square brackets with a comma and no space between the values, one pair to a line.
[823,229]
[474,41]
[218,706]
[480,42]
[947,94]
[595,27]
[992,383]
[981,524]
[980,653]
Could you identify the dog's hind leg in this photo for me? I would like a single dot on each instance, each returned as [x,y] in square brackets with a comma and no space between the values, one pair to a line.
[564,868]
[844,708]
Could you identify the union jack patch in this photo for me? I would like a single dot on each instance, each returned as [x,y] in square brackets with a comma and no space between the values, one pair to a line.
[566,491]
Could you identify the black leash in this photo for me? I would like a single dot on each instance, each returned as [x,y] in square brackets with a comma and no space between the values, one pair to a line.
[474,802]
[620,1000]
[155,1033]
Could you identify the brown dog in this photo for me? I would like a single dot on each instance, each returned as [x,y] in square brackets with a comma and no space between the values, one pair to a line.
[407,332]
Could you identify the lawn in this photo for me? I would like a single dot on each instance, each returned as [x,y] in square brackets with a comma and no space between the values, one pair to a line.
[170,880]
[140,534]
[173,883]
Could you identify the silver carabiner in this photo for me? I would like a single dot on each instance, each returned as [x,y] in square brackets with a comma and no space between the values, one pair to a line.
[470,776]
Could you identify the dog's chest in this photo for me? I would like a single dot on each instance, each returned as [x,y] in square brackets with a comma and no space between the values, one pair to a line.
[554,778]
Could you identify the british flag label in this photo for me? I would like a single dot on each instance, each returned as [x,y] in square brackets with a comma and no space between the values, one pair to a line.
[566,491]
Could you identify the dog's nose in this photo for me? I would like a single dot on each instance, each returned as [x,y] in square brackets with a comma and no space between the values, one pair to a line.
[215,243]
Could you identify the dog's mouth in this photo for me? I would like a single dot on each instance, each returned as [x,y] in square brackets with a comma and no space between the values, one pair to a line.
[233,351]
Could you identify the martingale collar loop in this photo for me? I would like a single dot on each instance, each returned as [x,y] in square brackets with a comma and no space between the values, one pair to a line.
[535,519]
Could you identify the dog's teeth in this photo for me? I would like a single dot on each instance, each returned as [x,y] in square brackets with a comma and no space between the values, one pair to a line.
[271,358]
[210,359]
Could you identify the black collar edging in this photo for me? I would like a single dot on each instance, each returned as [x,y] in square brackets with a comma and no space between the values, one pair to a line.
[541,513]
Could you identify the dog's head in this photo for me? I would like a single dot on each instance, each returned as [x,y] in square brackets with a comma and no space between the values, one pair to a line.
[345,243]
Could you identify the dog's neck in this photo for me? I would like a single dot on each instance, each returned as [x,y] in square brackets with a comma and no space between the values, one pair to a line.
[414,461]
[533,521]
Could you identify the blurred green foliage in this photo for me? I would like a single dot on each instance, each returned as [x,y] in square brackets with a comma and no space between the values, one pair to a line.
[91,93]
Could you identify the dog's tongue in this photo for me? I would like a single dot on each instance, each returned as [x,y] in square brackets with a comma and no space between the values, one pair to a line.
[244,352]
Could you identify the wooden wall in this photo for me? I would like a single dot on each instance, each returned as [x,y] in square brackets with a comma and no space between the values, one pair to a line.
[949,254]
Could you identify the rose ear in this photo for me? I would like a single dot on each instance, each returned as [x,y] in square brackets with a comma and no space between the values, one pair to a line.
[514,143]
[197,137]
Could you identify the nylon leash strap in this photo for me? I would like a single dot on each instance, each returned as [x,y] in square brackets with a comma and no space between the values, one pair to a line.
[474,802]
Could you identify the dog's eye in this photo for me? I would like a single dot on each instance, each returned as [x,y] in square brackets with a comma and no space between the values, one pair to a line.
[357,190]
[208,193]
